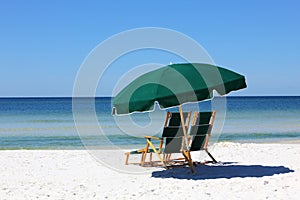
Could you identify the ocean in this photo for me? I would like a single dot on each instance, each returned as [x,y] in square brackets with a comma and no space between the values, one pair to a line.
[48,123]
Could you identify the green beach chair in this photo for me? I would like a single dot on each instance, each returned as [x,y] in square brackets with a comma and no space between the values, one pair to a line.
[170,142]
[200,132]
[172,122]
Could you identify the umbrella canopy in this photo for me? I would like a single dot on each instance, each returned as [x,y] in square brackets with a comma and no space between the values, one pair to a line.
[174,85]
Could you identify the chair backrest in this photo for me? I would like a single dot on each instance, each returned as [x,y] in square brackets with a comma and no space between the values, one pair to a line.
[201,129]
[173,139]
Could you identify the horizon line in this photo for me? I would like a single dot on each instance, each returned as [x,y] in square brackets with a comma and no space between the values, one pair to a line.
[112,96]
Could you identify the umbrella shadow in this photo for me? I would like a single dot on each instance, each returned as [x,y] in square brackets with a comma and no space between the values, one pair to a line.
[225,170]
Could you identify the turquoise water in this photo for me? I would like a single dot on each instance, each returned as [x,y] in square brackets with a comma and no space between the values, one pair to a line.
[47,123]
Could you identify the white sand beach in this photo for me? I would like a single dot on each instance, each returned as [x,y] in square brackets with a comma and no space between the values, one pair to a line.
[248,171]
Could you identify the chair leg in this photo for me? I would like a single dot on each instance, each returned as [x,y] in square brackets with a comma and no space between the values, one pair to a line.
[150,157]
[127,157]
[144,155]
[188,157]
[167,157]
[214,160]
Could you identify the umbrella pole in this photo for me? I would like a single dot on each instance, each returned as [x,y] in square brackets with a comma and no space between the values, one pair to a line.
[183,126]
[186,152]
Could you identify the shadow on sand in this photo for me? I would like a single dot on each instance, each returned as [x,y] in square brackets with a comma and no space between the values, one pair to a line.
[225,170]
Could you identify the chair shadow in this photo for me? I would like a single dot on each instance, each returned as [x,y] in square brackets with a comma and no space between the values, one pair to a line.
[226,170]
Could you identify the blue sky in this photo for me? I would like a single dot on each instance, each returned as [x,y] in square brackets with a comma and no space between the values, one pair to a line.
[43,43]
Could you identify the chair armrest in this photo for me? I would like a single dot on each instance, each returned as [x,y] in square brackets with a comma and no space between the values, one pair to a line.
[152,137]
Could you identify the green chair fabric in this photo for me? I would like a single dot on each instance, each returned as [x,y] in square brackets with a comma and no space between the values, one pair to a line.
[173,139]
[199,134]
[175,119]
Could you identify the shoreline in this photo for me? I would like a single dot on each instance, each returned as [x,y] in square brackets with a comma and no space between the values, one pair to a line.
[276,141]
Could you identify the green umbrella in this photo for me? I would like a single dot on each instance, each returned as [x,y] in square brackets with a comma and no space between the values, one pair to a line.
[174,85]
